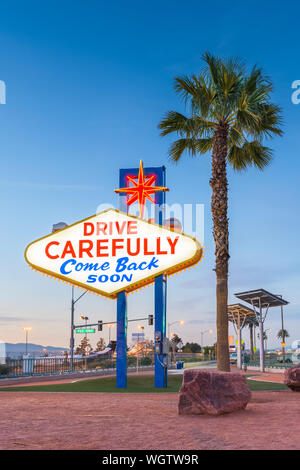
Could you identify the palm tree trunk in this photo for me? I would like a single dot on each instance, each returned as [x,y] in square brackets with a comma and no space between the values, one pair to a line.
[219,204]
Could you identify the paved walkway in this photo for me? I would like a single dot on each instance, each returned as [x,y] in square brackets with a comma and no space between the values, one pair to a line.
[268,377]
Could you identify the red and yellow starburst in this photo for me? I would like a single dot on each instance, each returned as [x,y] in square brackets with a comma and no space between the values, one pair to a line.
[141,190]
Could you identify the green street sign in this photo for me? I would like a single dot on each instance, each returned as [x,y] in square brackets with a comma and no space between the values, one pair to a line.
[85,330]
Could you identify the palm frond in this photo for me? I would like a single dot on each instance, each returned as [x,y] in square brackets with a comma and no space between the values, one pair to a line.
[181,145]
[257,79]
[250,153]
[271,120]
[236,137]
[204,145]
[185,87]
[194,126]
[225,96]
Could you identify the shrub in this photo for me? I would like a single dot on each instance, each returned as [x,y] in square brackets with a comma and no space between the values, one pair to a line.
[146,361]
[131,361]
[4,369]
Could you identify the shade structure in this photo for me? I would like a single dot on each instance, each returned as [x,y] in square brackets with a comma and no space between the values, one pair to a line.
[261,300]
[241,310]
[240,315]
[261,297]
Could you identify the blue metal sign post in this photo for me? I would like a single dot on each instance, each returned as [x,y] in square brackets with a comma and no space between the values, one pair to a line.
[160,289]
[121,340]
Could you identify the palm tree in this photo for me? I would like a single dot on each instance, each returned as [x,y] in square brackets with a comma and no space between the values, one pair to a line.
[282,334]
[230,114]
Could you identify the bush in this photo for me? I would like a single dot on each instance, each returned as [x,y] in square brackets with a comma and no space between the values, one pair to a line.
[108,364]
[4,369]
[146,361]
[246,358]
[103,364]
[131,361]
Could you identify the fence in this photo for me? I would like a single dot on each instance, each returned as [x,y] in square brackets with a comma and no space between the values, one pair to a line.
[60,365]
[37,366]
[275,360]
[30,366]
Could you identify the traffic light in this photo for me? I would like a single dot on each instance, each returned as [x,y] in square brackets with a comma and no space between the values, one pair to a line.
[100,325]
[150,319]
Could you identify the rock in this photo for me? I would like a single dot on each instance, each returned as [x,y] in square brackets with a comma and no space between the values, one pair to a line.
[212,392]
[291,378]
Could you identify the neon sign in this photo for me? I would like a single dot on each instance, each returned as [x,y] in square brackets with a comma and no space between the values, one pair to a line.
[141,190]
[111,252]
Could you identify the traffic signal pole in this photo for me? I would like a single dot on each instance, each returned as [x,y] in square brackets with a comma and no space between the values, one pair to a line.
[73,302]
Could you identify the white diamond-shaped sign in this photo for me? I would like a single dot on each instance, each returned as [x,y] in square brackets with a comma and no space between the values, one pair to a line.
[111,252]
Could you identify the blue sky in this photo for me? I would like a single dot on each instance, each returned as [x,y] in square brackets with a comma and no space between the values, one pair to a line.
[87,83]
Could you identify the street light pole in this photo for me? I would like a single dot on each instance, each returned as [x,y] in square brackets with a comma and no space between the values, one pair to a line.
[137,351]
[173,323]
[73,302]
[26,329]
[283,335]
[266,338]
[173,346]
[203,333]
[109,326]
[282,332]
[82,317]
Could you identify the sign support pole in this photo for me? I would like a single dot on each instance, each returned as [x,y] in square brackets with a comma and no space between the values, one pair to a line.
[160,292]
[121,340]
[122,312]
[161,370]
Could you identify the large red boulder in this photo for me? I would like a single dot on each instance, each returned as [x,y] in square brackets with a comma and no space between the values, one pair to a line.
[292,378]
[212,392]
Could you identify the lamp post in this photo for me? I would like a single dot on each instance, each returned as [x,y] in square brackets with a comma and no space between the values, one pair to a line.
[140,327]
[73,302]
[203,333]
[82,317]
[266,338]
[173,346]
[26,329]
[282,330]
[109,326]
[181,322]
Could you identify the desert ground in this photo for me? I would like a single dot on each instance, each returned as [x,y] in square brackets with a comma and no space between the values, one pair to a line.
[55,420]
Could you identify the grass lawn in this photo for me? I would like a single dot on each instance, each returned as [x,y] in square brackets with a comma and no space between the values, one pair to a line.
[135,384]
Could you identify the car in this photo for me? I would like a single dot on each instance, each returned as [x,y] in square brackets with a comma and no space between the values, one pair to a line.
[233,358]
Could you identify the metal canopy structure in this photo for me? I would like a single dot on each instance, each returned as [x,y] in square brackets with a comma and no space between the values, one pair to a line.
[261,297]
[243,311]
[261,300]
[240,315]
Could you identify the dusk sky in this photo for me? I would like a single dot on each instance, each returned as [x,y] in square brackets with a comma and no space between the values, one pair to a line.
[86,86]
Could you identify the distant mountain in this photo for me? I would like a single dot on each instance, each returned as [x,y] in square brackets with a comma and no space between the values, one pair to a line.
[17,349]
